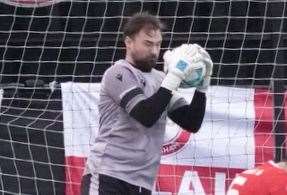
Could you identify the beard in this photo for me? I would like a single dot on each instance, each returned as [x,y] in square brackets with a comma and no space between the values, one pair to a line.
[145,64]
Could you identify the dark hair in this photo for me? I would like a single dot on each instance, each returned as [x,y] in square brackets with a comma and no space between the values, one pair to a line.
[139,21]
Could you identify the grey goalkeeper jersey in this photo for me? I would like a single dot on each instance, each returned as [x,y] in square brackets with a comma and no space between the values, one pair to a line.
[124,148]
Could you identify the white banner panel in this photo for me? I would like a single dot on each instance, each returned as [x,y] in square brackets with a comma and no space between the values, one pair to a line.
[80,113]
[226,138]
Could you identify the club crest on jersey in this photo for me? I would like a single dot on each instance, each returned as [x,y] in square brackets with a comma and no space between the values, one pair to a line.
[31,3]
[142,81]
[175,139]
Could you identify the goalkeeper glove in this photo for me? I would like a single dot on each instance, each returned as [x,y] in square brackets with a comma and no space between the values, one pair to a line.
[179,63]
[209,65]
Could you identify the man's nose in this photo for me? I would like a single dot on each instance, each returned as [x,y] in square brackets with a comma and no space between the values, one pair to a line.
[154,51]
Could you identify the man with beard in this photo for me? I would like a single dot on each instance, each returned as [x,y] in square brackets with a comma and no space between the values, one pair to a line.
[135,100]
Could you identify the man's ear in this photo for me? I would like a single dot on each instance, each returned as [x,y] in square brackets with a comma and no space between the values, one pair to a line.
[128,41]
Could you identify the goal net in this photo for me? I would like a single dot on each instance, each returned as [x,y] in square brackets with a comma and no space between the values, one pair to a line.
[53,54]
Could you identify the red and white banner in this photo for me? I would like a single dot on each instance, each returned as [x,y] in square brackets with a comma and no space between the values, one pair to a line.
[236,135]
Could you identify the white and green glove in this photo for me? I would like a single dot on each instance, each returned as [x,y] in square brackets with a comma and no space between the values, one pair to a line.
[209,66]
[179,64]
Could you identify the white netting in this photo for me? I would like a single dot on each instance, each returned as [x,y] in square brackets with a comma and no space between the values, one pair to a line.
[44,43]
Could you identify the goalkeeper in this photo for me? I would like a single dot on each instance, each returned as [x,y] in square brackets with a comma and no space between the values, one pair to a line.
[135,100]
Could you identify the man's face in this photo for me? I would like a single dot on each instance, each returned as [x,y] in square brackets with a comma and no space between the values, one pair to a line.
[144,48]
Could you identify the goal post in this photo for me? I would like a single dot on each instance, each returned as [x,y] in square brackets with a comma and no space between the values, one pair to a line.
[53,54]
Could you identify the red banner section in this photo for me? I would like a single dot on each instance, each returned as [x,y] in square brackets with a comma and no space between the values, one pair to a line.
[74,169]
[176,179]
[263,136]
[171,180]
